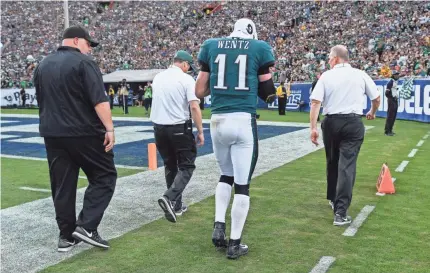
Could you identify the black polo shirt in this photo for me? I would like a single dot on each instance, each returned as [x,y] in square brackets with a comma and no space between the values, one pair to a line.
[68,86]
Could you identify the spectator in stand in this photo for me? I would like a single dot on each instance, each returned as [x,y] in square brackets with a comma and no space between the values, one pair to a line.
[133,36]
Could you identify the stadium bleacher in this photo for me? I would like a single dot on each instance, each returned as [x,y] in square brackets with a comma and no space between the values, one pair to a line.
[381,36]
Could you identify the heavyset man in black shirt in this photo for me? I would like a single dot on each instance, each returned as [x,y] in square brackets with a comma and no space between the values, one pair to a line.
[76,123]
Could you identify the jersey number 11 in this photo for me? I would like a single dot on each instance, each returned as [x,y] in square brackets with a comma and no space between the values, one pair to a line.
[241,61]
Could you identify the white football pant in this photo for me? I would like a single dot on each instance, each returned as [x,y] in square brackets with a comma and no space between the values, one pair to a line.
[235,144]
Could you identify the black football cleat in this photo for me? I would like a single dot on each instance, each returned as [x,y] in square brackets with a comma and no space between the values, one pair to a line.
[218,236]
[236,249]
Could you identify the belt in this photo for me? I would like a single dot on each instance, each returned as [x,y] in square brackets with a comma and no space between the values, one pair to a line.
[188,122]
[344,115]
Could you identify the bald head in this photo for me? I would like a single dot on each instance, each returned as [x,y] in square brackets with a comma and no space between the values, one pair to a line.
[340,51]
[338,55]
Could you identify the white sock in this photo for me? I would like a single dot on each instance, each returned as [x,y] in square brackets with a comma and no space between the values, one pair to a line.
[222,200]
[239,212]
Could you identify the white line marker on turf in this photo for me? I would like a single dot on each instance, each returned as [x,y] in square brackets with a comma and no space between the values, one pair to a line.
[323,265]
[358,221]
[420,143]
[402,166]
[23,157]
[34,189]
[413,152]
[82,177]
[394,179]
[425,137]
[44,159]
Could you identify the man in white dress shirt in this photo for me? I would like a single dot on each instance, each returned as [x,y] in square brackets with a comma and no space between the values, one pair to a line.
[342,91]
[173,100]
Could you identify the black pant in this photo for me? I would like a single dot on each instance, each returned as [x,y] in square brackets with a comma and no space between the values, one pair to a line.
[23,102]
[147,103]
[393,104]
[282,103]
[343,136]
[177,147]
[65,157]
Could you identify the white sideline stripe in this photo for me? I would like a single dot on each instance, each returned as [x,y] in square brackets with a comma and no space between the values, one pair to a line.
[44,159]
[394,179]
[358,221]
[323,265]
[34,189]
[2,136]
[402,166]
[413,152]
[425,137]
[30,140]
[7,121]
[420,143]
[82,177]
[23,157]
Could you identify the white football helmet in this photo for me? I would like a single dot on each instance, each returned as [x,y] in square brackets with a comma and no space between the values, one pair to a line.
[244,28]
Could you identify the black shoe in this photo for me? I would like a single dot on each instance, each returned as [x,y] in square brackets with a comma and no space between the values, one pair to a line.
[67,244]
[181,210]
[341,220]
[218,236]
[389,134]
[236,249]
[167,207]
[90,237]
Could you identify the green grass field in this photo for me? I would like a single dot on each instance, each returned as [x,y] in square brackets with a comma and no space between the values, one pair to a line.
[16,173]
[289,226]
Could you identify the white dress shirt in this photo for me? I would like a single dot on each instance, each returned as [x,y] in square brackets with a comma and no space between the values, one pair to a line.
[172,90]
[342,90]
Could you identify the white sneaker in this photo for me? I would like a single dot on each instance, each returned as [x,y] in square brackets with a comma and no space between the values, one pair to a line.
[331,204]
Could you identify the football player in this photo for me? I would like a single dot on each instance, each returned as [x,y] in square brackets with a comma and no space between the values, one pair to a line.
[235,70]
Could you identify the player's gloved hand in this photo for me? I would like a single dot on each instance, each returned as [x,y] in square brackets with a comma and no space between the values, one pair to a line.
[271,98]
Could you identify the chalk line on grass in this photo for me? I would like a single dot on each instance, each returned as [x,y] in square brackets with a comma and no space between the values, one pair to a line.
[358,221]
[44,159]
[34,189]
[402,166]
[323,264]
[412,153]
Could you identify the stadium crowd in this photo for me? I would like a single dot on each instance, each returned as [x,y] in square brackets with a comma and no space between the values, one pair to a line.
[382,36]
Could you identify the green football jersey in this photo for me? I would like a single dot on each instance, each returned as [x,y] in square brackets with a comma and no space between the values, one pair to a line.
[234,65]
